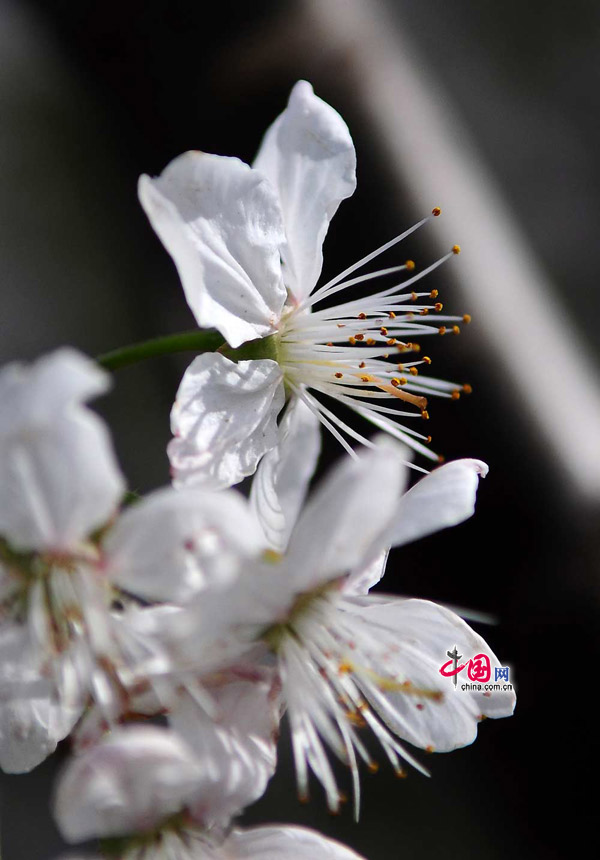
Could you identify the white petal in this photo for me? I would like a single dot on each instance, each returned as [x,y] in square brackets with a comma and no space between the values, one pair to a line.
[175,543]
[220,221]
[423,633]
[444,498]
[277,842]
[32,722]
[224,420]
[29,732]
[237,749]
[363,579]
[129,783]
[309,157]
[345,525]
[281,481]
[58,472]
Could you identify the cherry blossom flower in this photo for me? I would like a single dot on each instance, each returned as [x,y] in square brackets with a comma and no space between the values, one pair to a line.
[59,482]
[349,659]
[74,577]
[150,797]
[247,244]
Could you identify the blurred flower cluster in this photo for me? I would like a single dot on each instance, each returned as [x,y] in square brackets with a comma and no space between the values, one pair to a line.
[167,636]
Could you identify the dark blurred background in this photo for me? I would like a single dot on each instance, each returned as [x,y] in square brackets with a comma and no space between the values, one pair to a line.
[93,94]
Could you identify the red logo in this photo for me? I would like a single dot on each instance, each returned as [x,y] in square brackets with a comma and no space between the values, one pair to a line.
[478,668]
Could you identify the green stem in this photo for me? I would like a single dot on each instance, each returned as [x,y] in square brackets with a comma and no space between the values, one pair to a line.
[188,341]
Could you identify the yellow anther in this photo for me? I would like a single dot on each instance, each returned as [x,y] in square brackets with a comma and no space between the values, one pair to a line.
[424,312]
[403,380]
[362,364]
[426,359]
[392,315]
[467,388]
[416,347]
[370,342]
[359,336]
[396,382]
[272,556]
[339,375]
[341,325]
[425,415]
[373,766]
[442,329]
[351,340]
[329,344]
[455,394]
[455,329]
[428,440]
[434,294]
[409,265]
[467,319]
[391,341]
[455,249]
[345,667]
[383,330]
[356,720]
[414,296]
[365,378]
[438,306]
[413,371]
[436,211]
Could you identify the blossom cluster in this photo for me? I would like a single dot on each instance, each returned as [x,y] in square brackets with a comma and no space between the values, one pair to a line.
[168,636]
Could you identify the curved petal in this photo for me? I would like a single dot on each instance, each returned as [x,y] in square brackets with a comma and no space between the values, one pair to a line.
[128,783]
[238,748]
[58,471]
[32,721]
[281,481]
[444,498]
[346,524]
[30,730]
[414,637]
[275,842]
[176,543]
[308,156]
[360,581]
[221,223]
[224,420]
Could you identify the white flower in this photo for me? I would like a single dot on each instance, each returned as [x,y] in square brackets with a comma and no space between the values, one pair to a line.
[59,482]
[147,790]
[348,659]
[247,244]
[63,564]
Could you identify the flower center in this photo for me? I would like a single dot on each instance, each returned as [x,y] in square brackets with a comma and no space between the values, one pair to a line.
[362,352]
